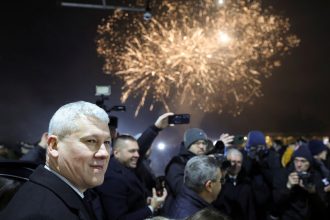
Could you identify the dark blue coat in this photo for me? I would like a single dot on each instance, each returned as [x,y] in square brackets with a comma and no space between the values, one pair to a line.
[186,204]
[45,196]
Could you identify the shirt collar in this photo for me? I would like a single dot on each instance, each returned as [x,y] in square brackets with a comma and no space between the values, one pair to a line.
[66,181]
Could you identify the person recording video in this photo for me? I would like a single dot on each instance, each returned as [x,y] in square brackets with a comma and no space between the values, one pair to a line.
[298,191]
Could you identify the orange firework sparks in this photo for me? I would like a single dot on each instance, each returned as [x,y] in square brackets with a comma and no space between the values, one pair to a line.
[195,53]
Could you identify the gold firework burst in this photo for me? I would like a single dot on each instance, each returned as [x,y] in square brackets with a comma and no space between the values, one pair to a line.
[195,53]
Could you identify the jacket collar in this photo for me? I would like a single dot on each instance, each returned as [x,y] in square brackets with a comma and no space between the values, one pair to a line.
[129,174]
[196,200]
[46,179]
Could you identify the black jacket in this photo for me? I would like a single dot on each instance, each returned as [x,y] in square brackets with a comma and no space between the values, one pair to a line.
[45,196]
[261,173]
[236,198]
[297,203]
[143,171]
[174,171]
[123,194]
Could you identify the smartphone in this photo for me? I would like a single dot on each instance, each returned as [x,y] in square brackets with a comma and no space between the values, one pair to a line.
[160,184]
[179,119]
[238,140]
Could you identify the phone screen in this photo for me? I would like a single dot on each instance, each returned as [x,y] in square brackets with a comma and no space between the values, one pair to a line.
[179,119]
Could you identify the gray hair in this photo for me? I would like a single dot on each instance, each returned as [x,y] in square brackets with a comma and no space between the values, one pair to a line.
[199,170]
[234,151]
[64,120]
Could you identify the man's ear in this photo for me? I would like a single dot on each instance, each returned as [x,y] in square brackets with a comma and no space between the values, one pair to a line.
[115,153]
[52,143]
[208,185]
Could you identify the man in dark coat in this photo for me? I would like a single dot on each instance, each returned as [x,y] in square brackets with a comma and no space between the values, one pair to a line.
[77,158]
[55,200]
[236,198]
[260,164]
[202,185]
[123,194]
[298,192]
[194,143]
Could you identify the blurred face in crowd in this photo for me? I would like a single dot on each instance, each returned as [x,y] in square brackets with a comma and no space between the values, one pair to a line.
[198,147]
[236,164]
[113,133]
[321,156]
[301,164]
[127,153]
[82,156]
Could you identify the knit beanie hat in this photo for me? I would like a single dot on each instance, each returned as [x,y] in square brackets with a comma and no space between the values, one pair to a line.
[192,135]
[303,151]
[255,138]
[316,147]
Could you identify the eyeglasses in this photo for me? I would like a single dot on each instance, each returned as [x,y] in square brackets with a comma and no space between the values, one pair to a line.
[222,180]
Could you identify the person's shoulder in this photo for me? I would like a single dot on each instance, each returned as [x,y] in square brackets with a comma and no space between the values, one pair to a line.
[115,168]
[33,199]
[116,177]
[179,159]
[180,209]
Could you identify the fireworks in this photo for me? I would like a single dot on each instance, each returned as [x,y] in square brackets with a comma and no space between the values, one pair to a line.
[195,53]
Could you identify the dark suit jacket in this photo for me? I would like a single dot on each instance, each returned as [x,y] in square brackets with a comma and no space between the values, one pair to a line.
[236,198]
[122,194]
[45,196]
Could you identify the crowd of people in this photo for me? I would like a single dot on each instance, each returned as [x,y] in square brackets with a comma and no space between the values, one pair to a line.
[89,171]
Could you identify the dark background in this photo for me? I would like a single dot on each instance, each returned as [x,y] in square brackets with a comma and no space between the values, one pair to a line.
[48,58]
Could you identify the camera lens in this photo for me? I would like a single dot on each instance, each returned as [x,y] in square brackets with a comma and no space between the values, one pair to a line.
[147,16]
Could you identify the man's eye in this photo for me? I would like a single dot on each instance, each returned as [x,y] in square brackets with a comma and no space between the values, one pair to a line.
[92,141]
[107,142]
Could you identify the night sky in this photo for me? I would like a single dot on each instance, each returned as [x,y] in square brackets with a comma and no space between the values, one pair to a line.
[48,58]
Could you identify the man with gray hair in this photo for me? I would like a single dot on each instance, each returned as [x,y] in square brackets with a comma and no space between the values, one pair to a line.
[77,158]
[202,184]
[236,198]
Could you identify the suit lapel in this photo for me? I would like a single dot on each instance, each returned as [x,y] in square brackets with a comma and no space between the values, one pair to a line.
[62,190]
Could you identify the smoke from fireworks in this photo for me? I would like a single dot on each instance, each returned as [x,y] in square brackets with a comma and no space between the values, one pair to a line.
[195,53]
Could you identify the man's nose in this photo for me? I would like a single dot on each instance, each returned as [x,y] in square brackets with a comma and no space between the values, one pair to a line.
[202,146]
[136,154]
[103,152]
